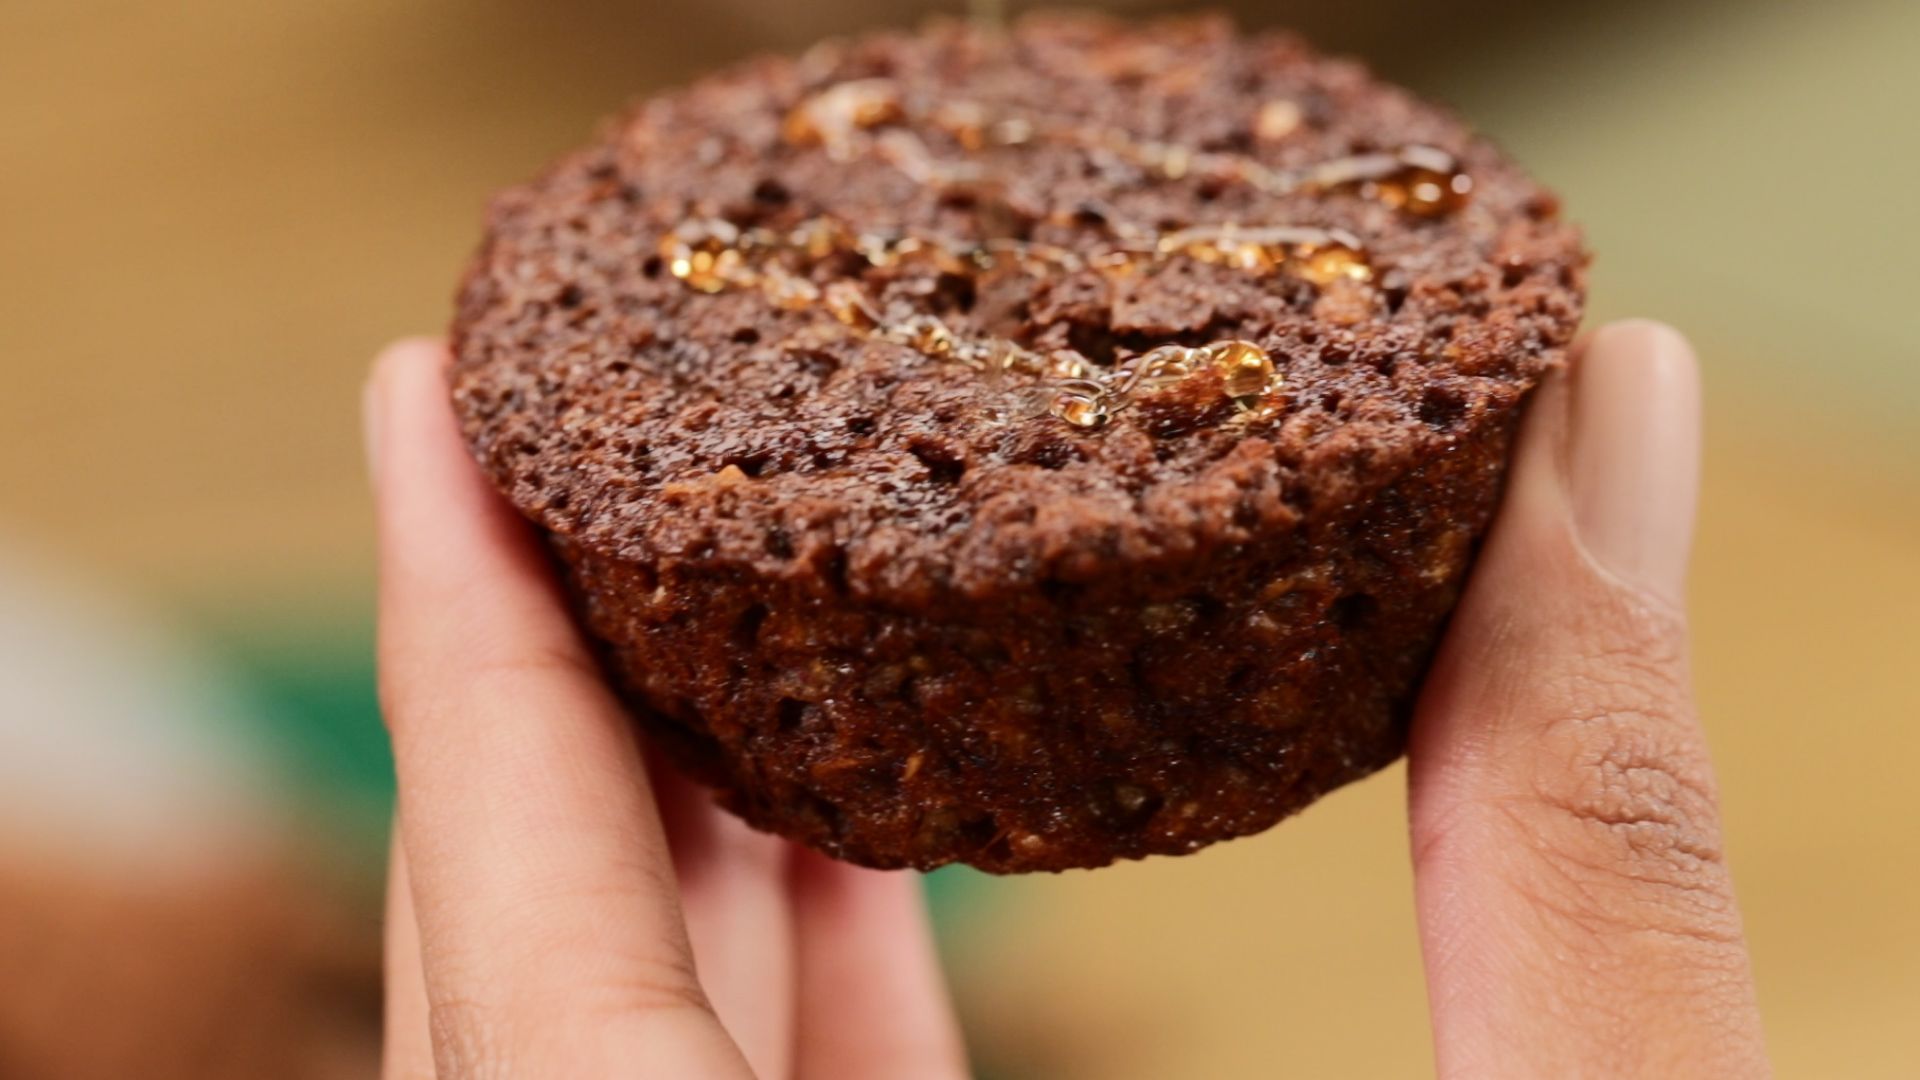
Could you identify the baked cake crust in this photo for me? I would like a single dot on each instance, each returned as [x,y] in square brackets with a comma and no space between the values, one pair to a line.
[1025,451]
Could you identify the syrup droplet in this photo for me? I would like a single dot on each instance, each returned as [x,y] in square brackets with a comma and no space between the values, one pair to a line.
[1153,369]
[1004,355]
[1067,364]
[966,121]
[1120,261]
[1422,180]
[820,237]
[788,291]
[1428,190]
[1244,368]
[942,257]
[1219,246]
[846,302]
[1319,255]
[704,255]
[927,334]
[1339,256]
[1172,160]
[876,249]
[1080,408]
[830,117]
[1276,120]
[1031,257]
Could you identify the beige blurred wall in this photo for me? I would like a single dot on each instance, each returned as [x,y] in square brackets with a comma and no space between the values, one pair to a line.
[212,211]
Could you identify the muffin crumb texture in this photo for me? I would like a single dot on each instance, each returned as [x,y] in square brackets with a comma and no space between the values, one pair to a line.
[1025,450]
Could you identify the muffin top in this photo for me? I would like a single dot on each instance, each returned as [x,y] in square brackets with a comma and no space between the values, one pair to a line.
[954,313]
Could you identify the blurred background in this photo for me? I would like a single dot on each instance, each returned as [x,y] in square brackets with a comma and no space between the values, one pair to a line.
[212,212]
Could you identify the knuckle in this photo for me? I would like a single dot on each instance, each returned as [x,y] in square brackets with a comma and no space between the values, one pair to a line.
[1617,797]
[423,692]
[1619,719]
[489,1040]
[501,672]
[1646,802]
[1627,826]
[660,985]
[1585,785]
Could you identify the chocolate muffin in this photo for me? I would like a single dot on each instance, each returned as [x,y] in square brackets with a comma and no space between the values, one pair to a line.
[1024,449]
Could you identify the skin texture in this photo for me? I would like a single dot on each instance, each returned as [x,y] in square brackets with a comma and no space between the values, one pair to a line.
[555,913]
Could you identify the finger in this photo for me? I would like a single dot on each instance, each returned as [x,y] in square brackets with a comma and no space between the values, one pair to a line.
[407,1051]
[733,889]
[873,1005]
[1576,912]
[550,931]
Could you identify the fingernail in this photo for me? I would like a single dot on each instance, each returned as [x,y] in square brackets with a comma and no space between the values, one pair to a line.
[1634,454]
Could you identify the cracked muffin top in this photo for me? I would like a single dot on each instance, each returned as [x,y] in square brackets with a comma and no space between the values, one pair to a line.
[943,315]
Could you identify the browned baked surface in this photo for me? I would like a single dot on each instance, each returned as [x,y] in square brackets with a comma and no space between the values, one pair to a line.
[1028,452]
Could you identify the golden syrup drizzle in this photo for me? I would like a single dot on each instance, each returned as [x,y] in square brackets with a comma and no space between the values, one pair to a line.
[1319,255]
[706,255]
[1425,181]
[831,117]
[1246,372]
[713,256]
[1421,180]
[1245,369]
[848,117]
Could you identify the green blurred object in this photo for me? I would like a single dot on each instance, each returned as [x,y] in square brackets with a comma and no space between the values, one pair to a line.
[318,714]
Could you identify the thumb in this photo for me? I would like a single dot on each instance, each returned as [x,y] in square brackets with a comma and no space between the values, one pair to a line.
[1576,913]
